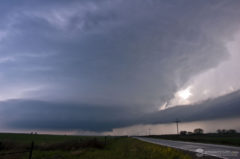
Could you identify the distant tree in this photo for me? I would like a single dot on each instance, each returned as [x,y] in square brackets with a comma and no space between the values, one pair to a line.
[224,131]
[198,131]
[231,131]
[189,133]
[221,131]
[183,132]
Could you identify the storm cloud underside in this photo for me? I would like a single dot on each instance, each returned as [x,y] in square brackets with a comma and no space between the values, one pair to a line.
[124,58]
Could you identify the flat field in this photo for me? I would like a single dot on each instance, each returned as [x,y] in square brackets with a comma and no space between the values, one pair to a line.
[82,147]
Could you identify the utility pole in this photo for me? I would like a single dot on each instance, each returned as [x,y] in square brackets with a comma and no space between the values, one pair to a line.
[177,121]
[149,132]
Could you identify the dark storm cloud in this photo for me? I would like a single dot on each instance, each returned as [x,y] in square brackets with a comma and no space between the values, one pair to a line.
[135,52]
[66,116]
[226,106]
[54,116]
[107,54]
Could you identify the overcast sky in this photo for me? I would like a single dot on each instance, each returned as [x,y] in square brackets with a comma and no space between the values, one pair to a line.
[105,64]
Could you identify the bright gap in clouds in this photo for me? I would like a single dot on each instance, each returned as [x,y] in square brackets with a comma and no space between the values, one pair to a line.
[181,97]
[213,83]
[184,94]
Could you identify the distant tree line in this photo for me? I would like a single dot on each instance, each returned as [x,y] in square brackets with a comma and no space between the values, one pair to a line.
[195,131]
[201,131]
[224,131]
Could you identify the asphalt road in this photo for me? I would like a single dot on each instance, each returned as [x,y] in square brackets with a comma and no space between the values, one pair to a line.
[221,151]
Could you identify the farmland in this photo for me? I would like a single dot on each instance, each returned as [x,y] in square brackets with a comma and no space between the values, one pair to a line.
[79,147]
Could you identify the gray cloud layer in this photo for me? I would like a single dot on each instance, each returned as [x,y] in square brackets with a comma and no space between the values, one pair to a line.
[133,52]
[54,116]
[116,56]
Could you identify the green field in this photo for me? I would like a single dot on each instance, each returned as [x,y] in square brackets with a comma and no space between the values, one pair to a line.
[77,147]
[225,139]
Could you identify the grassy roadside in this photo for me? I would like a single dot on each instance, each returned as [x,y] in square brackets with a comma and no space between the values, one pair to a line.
[77,147]
[224,139]
[119,148]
